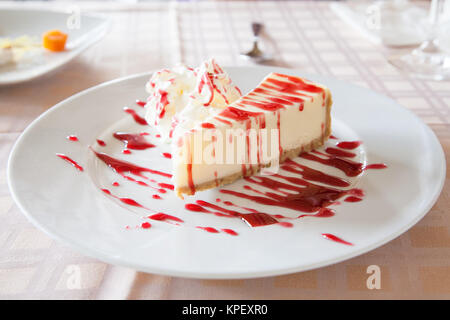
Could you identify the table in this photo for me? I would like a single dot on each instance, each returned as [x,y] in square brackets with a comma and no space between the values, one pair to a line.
[147,36]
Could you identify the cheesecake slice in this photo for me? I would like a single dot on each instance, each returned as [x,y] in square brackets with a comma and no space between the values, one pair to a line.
[282,117]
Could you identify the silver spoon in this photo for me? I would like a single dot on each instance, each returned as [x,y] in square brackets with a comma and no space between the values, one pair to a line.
[255,53]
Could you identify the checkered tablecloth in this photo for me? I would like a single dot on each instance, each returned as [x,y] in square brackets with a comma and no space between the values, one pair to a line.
[147,36]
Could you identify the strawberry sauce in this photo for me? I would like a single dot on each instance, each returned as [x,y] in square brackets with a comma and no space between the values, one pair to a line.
[134,141]
[334,238]
[101,143]
[349,145]
[72,162]
[298,189]
[121,166]
[135,116]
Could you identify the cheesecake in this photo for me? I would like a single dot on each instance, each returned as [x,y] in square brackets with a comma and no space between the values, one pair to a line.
[281,118]
[216,141]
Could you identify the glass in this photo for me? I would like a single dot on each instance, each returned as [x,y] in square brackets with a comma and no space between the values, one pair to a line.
[429,60]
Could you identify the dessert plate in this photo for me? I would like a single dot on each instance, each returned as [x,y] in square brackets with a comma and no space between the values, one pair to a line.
[15,23]
[104,214]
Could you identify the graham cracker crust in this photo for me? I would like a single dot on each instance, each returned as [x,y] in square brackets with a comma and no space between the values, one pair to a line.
[254,169]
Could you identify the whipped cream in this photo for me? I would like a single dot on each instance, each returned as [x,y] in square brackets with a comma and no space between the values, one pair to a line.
[182,96]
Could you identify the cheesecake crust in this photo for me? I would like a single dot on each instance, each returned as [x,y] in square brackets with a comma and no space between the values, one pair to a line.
[286,154]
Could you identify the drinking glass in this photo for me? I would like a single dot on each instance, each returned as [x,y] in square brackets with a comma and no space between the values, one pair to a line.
[429,60]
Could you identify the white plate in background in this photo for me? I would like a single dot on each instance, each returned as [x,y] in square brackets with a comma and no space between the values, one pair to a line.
[15,23]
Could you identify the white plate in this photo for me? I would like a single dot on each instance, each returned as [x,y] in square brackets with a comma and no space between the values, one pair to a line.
[68,205]
[15,23]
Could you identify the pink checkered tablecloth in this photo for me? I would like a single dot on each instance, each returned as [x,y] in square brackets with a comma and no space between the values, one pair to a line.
[146,36]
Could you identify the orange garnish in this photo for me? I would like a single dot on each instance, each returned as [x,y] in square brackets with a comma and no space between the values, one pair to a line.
[54,40]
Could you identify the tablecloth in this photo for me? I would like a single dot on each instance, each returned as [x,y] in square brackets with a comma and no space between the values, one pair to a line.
[145,36]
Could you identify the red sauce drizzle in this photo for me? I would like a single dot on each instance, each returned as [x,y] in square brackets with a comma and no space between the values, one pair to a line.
[311,174]
[295,84]
[127,201]
[266,91]
[238,114]
[267,106]
[323,213]
[375,166]
[223,120]
[72,162]
[101,143]
[166,186]
[208,125]
[349,145]
[356,192]
[133,141]
[206,80]
[167,155]
[72,137]
[157,216]
[121,166]
[306,196]
[286,224]
[195,207]
[299,195]
[141,103]
[279,133]
[164,217]
[350,168]
[339,152]
[334,238]
[254,219]
[306,199]
[189,170]
[230,232]
[146,225]
[163,102]
[135,116]
[208,229]
[352,199]
[258,219]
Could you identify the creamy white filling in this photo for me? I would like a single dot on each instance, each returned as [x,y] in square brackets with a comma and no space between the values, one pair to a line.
[298,124]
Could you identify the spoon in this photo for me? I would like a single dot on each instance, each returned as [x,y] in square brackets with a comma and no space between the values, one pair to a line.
[255,54]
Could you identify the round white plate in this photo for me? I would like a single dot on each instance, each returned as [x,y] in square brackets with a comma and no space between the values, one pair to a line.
[69,205]
[83,30]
